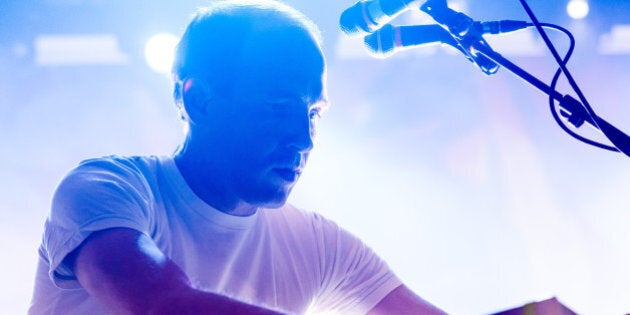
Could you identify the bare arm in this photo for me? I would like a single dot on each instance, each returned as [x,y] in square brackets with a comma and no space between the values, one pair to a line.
[403,301]
[125,271]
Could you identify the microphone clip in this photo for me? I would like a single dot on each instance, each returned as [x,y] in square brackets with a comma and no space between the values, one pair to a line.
[463,30]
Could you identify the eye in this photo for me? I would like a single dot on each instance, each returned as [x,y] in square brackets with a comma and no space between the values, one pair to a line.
[315,113]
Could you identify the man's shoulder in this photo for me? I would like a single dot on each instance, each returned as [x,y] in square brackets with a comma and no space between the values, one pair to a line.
[114,162]
[112,171]
[123,167]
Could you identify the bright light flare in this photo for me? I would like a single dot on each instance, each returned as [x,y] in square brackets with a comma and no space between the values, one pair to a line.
[578,9]
[159,52]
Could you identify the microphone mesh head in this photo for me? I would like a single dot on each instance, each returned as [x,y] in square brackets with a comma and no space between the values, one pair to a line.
[382,42]
[352,21]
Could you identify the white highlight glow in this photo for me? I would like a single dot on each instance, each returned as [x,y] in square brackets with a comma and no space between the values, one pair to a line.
[577,9]
[458,5]
[521,43]
[160,52]
[616,42]
[64,49]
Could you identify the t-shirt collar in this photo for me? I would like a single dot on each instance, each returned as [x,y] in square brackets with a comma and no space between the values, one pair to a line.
[179,186]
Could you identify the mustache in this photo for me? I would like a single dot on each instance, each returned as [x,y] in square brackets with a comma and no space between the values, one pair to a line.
[295,161]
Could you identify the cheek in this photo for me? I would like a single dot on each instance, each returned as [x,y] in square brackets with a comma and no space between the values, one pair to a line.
[262,131]
[257,141]
[267,129]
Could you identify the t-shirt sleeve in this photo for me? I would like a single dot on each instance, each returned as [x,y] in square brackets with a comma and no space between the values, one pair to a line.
[97,195]
[355,279]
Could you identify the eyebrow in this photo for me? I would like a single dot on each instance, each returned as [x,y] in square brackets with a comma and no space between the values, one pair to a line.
[325,103]
[322,100]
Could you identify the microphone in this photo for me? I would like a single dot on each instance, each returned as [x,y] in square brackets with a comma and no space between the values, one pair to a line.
[391,39]
[367,16]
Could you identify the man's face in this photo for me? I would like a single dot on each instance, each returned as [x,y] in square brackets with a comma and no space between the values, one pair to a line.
[262,135]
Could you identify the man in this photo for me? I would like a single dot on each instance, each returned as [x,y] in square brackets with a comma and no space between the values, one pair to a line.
[197,233]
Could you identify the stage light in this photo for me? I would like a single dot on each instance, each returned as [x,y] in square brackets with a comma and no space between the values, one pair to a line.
[577,9]
[160,51]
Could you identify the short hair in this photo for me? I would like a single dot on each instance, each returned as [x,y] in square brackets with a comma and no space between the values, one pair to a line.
[211,45]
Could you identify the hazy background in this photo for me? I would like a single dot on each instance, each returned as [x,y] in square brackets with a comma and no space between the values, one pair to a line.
[461,181]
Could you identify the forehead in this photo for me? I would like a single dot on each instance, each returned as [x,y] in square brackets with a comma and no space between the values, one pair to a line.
[284,62]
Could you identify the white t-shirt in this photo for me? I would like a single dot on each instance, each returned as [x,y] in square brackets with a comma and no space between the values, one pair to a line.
[285,258]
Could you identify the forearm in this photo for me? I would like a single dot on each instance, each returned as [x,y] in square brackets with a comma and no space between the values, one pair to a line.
[204,303]
[125,271]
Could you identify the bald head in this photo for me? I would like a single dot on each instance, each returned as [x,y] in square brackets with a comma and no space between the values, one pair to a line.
[228,38]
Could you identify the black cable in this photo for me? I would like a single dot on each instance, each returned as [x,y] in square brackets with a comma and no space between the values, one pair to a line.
[554,82]
[555,54]
[563,69]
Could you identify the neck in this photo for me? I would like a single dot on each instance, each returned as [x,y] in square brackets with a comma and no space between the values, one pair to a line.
[205,182]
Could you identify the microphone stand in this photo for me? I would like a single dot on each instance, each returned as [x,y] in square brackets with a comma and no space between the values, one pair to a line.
[571,108]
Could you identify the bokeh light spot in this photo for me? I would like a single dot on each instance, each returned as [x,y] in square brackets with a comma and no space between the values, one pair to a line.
[578,9]
[159,52]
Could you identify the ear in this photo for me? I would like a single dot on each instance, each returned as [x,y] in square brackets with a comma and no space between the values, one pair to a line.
[196,99]
[179,102]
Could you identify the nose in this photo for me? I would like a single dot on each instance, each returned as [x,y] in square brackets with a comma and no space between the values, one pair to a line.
[302,134]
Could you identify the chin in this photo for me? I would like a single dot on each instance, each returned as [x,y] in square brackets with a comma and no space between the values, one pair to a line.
[270,194]
[274,199]
[276,202]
